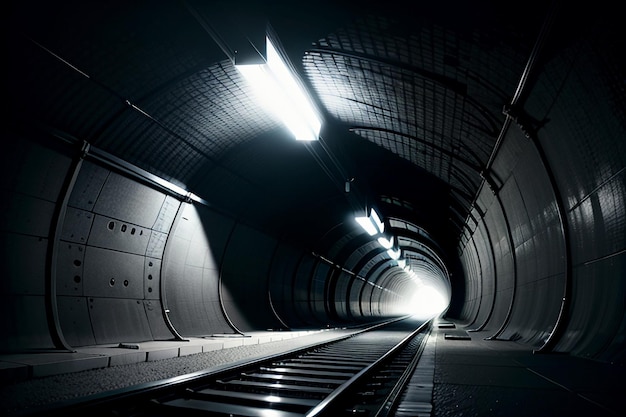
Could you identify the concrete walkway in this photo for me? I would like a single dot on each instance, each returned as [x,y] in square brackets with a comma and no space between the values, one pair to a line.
[476,377]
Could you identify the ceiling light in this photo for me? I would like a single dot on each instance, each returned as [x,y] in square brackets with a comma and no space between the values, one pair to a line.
[371,224]
[386,243]
[280,92]
[394,254]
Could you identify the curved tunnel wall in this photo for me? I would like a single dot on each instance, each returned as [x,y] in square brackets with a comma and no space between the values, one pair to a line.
[93,254]
[82,251]
[551,228]
[543,249]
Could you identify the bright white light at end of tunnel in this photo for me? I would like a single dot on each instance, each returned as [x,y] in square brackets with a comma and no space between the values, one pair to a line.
[427,302]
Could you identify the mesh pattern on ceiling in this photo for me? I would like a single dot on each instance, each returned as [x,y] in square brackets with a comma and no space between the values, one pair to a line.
[213,110]
[442,166]
[192,123]
[432,85]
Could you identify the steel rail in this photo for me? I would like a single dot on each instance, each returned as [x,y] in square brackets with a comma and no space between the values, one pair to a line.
[125,398]
[325,406]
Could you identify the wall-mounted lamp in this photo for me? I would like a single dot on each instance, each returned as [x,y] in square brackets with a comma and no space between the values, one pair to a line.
[278,88]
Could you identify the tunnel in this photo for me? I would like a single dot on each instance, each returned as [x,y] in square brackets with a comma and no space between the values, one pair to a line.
[149,193]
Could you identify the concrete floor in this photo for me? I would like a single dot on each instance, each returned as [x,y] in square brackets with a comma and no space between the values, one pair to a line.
[475,377]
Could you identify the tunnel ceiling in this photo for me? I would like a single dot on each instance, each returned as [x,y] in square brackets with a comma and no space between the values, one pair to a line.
[411,96]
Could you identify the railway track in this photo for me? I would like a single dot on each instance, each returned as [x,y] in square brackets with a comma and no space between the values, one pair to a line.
[360,375]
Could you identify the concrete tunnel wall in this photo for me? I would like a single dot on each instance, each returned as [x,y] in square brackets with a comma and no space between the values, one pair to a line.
[132,263]
[543,250]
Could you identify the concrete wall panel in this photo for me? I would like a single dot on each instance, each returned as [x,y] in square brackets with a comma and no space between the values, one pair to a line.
[26,326]
[154,313]
[190,274]
[109,233]
[474,282]
[156,244]
[167,214]
[74,320]
[598,298]
[23,264]
[245,276]
[26,214]
[186,302]
[527,195]
[127,200]
[341,294]
[585,149]
[318,291]
[375,301]
[283,269]
[117,320]
[367,309]
[70,269]
[356,306]
[113,274]
[301,285]
[77,225]
[88,186]
[152,279]
[504,265]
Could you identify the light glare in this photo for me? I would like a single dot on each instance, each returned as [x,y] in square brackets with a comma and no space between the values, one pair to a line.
[427,302]
[377,222]
[367,225]
[371,224]
[277,88]
[386,243]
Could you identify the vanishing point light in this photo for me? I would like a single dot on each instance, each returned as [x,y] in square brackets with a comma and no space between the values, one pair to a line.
[280,92]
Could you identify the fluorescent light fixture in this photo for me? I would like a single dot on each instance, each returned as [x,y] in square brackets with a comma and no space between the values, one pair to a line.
[386,243]
[367,225]
[377,222]
[371,224]
[280,92]
[394,254]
